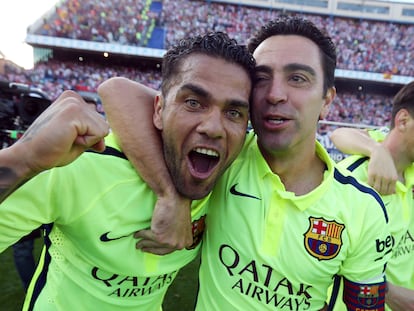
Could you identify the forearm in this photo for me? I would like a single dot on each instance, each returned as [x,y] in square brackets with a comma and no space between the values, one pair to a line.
[129,109]
[382,173]
[354,141]
[399,298]
[13,172]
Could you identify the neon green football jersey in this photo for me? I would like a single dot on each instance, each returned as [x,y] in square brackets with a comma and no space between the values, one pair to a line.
[400,208]
[90,262]
[267,249]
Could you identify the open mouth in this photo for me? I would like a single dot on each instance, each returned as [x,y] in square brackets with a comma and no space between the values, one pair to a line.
[203,161]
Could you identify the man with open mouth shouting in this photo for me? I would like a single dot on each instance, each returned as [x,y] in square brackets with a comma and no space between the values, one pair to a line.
[98,202]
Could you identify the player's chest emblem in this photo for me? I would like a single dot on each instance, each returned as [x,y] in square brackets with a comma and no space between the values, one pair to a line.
[323,238]
[198,228]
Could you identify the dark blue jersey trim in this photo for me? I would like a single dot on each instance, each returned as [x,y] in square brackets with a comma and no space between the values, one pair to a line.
[112,152]
[356,164]
[352,181]
[41,279]
[335,292]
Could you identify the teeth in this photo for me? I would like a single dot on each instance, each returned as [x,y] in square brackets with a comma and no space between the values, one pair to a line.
[276,120]
[208,152]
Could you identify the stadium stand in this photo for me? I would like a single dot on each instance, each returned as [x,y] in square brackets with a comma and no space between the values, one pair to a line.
[80,43]
[375,54]
[363,45]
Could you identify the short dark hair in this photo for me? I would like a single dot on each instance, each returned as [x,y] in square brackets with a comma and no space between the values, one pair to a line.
[293,25]
[404,99]
[215,44]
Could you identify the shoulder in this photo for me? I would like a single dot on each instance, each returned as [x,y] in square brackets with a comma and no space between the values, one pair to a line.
[358,193]
[379,134]
[353,163]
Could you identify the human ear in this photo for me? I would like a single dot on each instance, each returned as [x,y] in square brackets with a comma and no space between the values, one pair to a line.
[158,107]
[327,100]
[401,119]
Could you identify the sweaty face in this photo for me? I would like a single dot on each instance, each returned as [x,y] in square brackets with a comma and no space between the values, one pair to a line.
[203,121]
[288,96]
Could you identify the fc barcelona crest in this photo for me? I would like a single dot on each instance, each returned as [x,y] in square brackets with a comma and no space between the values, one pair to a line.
[323,238]
[368,296]
[198,227]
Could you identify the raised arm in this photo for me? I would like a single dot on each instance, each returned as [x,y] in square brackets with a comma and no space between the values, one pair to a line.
[382,173]
[399,298]
[57,137]
[129,109]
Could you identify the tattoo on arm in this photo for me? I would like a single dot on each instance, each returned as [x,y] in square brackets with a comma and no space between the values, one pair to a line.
[8,182]
[9,178]
[32,130]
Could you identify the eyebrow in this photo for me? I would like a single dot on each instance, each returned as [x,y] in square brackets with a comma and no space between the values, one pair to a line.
[195,89]
[207,95]
[287,68]
[302,67]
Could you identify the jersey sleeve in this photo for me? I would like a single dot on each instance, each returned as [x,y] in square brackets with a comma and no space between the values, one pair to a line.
[25,210]
[379,134]
[364,268]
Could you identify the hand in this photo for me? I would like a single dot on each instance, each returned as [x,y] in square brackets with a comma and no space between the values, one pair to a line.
[61,133]
[382,174]
[399,298]
[170,227]
[325,308]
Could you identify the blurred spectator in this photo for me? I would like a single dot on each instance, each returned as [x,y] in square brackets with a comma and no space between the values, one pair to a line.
[363,45]
[55,76]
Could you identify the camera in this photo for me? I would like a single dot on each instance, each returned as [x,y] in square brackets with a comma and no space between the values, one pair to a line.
[20,105]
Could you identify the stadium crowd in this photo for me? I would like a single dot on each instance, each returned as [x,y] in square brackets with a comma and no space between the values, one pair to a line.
[123,21]
[55,76]
[363,45]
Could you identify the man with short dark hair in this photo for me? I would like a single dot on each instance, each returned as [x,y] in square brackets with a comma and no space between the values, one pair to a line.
[376,152]
[283,220]
[97,202]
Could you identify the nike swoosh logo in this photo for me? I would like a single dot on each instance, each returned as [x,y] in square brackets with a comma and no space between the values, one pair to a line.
[241,194]
[104,237]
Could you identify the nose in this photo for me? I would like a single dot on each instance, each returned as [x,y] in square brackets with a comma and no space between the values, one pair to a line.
[212,124]
[276,93]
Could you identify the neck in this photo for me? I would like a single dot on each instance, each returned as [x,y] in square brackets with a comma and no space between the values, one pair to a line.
[300,172]
[398,153]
